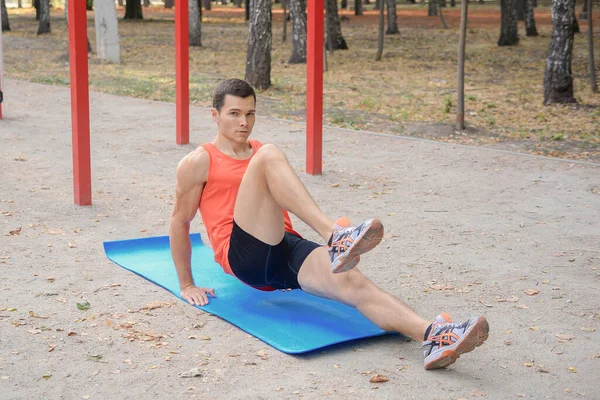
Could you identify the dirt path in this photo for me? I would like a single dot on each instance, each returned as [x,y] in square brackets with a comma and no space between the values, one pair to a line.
[469,231]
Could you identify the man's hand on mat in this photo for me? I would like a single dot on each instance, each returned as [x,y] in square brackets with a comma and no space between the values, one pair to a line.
[197,296]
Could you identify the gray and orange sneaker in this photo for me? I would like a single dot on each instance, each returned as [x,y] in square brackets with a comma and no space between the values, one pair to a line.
[447,341]
[347,243]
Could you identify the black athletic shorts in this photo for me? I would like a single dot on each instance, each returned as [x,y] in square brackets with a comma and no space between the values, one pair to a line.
[267,267]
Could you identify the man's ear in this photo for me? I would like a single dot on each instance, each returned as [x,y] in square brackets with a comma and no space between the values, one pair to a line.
[215,115]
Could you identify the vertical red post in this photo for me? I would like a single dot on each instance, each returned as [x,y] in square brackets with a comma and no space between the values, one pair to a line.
[314,87]
[80,103]
[182,72]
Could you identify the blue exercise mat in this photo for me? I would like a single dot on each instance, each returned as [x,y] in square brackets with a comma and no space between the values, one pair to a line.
[293,322]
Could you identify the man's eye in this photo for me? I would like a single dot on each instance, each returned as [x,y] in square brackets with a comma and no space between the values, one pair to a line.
[234,114]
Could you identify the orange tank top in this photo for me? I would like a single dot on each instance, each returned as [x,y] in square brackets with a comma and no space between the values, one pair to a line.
[218,200]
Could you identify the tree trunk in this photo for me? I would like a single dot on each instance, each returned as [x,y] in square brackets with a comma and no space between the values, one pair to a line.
[284,5]
[298,17]
[432,8]
[358,8]
[107,30]
[4,13]
[590,38]
[452,3]
[392,18]
[521,9]
[195,23]
[380,36]
[119,2]
[509,35]
[248,5]
[377,5]
[442,18]
[462,40]
[334,25]
[258,58]
[44,26]
[583,16]
[36,4]
[146,3]
[168,3]
[530,29]
[19,3]
[133,9]
[558,78]
[575,23]
[344,5]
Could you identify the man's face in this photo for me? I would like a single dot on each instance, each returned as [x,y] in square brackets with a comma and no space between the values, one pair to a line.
[236,119]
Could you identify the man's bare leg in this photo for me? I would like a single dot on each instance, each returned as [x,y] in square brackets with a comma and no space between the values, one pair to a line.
[269,185]
[354,289]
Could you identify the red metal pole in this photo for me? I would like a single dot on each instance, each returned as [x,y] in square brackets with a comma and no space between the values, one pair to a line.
[314,88]
[182,72]
[80,103]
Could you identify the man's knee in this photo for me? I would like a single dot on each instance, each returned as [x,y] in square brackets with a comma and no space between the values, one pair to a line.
[269,153]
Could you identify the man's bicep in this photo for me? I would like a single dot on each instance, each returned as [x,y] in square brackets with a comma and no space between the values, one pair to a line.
[189,188]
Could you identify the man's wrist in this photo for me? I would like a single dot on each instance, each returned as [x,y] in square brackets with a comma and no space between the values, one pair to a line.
[186,285]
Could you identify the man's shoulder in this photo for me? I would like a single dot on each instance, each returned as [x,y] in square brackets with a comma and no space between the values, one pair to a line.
[194,166]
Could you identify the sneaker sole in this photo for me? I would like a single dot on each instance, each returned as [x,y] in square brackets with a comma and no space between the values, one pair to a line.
[477,334]
[372,236]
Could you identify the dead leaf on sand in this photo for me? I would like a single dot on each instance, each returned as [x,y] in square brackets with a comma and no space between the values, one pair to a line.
[15,232]
[588,329]
[262,354]
[192,373]
[20,158]
[511,299]
[441,287]
[59,231]
[477,393]
[34,315]
[531,292]
[378,378]
[335,185]
[158,304]
[564,338]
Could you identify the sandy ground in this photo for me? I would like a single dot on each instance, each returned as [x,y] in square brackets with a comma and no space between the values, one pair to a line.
[468,231]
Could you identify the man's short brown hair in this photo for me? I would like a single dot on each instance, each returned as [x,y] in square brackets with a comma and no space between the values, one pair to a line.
[234,87]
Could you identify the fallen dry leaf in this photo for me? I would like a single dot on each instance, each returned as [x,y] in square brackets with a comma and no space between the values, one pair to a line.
[15,232]
[441,287]
[262,354]
[21,158]
[572,369]
[378,378]
[192,373]
[158,304]
[71,333]
[335,185]
[71,245]
[477,393]
[531,292]
[58,231]
[565,337]
[588,329]
[34,315]
[52,347]
[512,299]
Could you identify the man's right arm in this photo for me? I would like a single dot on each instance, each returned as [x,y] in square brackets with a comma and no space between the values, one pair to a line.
[192,173]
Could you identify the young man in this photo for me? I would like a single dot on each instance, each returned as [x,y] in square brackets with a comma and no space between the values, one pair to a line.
[244,189]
